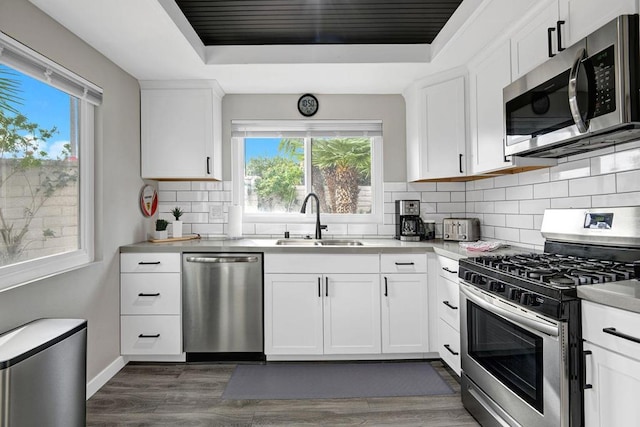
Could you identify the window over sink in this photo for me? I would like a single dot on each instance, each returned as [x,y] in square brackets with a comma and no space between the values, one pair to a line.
[46,166]
[279,162]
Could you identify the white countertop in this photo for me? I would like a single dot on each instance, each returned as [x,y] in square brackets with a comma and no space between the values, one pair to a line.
[624,294]
[448,249]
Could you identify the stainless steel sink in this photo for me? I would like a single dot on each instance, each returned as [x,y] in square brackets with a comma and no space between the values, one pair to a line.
[340,242]
[316,242]
[298,242]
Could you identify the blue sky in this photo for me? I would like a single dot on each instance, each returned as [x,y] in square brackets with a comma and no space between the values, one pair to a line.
[44,105]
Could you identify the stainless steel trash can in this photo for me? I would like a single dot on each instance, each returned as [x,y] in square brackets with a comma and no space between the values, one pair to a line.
[43,375]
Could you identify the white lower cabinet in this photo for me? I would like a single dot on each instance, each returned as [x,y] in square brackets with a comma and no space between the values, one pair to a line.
[449,313]
[150,305]
[612,366]
[352,314]
[322,314]
[404,303]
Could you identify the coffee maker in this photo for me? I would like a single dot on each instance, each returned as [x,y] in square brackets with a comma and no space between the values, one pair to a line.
[409,225]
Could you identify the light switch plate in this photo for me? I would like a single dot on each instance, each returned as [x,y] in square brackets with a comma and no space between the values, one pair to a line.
[215,212]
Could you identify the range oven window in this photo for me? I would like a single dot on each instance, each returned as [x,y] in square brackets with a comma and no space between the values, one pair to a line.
[510,353]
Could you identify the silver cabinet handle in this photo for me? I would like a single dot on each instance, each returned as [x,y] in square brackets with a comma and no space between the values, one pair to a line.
[222,260]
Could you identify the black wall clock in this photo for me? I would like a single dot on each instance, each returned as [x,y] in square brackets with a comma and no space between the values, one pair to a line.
[308,105]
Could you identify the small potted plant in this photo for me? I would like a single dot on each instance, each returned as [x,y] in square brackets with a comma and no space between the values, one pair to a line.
[177,224]
[161,229]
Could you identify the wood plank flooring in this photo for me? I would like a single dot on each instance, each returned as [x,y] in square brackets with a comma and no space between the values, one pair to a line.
[190,395]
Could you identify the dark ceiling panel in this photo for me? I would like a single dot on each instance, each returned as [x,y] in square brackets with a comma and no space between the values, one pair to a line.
[293,22]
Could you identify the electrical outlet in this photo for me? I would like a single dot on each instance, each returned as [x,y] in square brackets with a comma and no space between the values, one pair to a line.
[215,212]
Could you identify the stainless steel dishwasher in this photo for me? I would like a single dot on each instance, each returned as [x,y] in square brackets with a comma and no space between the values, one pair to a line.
[222,296]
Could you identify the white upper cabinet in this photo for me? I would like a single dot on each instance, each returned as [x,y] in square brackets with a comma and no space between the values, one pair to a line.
[181,130]
[487,78]
[582,17]
[557,24]
[533,42]
[436,131]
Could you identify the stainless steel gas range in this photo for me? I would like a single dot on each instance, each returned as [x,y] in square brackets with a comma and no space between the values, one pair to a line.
[521,350]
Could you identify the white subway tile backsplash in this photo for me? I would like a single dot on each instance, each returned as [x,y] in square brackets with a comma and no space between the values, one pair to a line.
[192,196]
[484,184]
[570,170]
[534,206]
[457,207]
[510,180]
[436,196]
[542,191]
[507,234]
[616,200]
[601,184]
[208,229]
[533,177]
[532,237]
[507,207]
[362,229]
[406,195]
[510,207]
[166,196]
[628,181]
[616,162]
[521,192]
[485,207]
[571,202]
[458,196]
[494,194]
[421,186]
[174,186]
[497,220]
[450,186]
[519,221]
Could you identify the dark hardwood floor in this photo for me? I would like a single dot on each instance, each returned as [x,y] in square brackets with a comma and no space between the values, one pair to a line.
[190,395]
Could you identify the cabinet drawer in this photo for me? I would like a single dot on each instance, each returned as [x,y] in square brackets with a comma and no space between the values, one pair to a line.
[449,302]
[598,318]
[150,335]
[403,263]
[149,262]
[150,293]
[321,263]
[448,268]
[449,345]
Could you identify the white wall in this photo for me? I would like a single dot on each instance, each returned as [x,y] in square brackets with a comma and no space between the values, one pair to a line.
[388,108]
[92,292]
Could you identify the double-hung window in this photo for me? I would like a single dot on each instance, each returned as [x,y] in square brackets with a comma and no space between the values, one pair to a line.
[277,163]
[46,166]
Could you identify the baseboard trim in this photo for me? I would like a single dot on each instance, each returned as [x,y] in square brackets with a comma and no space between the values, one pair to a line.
[105,375]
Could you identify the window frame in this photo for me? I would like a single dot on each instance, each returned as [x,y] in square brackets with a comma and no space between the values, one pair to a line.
[376,216]
[24,60]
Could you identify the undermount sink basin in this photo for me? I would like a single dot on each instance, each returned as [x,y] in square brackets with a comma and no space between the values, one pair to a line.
[321,242]
[341,242]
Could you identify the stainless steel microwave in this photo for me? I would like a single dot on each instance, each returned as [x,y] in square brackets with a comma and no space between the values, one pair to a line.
[584,98]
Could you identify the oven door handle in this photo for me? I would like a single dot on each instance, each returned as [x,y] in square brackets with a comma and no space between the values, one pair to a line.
[582,125]
[487,305]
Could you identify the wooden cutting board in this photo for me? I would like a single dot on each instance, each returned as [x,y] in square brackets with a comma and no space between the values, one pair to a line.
[176,239]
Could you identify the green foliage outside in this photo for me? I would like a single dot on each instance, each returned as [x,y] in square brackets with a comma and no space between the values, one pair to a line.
[22,160]
[276,187]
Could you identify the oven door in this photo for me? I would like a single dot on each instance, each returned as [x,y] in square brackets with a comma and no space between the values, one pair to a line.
[514,363]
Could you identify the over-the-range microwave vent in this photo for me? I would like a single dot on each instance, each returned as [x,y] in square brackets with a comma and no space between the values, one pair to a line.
[625,133]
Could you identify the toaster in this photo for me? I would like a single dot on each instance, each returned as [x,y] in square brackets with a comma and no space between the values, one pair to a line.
[461,229]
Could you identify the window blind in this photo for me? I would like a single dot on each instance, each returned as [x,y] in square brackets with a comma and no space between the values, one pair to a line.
[20,57]
[305,128]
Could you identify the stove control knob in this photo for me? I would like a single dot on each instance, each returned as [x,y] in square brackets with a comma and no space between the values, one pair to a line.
[514,294]
[527,298]
[496,286]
